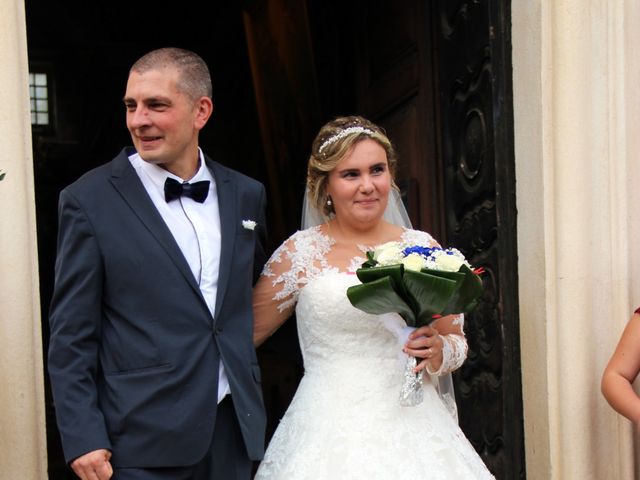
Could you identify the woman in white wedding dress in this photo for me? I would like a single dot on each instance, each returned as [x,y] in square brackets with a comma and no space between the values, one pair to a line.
[346,421]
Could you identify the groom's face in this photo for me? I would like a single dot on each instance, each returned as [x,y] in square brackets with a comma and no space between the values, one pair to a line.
[163,121]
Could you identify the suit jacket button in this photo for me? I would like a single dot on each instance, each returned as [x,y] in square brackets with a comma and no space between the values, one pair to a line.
[217,331]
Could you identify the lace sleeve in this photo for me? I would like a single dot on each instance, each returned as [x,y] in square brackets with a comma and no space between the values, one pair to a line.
[288,270]
[454,346]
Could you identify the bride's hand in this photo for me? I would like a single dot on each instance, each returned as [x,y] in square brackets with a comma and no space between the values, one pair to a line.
[426,343]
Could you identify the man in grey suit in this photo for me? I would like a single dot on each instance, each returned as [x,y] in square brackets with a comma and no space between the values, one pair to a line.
[151,359]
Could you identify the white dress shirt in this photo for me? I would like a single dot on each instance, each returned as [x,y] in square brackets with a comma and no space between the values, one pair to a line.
[196,229]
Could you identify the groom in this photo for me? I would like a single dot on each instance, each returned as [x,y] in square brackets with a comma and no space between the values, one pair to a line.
[151,359]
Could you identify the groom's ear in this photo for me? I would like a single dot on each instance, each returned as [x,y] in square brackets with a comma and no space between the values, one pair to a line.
[204,109]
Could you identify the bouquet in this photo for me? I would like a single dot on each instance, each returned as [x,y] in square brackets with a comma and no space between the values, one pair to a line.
[420,284]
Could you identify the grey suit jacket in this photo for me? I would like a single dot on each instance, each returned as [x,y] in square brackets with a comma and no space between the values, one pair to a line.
[134,351]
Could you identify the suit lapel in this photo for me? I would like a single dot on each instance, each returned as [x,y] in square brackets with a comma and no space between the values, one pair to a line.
[226,189]
[126,181]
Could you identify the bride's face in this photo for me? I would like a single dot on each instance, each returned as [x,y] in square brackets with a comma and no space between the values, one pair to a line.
[359,185]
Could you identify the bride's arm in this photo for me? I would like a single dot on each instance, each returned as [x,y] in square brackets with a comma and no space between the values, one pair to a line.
[267,317]
[442,346]
[275,294]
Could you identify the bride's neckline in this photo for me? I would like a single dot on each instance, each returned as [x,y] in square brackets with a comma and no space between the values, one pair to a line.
[365,244]
[351,262]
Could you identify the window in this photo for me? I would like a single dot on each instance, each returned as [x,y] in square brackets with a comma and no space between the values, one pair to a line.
[39,94]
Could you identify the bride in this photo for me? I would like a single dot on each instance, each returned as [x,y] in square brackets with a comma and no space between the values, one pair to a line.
[345,421]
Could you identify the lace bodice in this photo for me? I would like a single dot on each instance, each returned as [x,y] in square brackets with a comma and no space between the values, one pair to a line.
[345,420]
[306,257]
[307,252]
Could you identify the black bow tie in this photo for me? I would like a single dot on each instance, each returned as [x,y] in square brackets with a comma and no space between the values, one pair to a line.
[174,189]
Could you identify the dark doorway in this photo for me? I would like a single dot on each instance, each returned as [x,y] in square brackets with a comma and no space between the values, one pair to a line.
[435,74]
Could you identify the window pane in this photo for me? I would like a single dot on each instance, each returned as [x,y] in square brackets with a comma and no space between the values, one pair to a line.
[41,79]
[39,95]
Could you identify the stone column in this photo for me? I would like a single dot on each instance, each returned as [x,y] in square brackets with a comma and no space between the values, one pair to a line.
[22,419]
[577,124]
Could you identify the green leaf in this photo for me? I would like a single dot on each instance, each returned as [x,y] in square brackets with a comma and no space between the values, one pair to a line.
[466,297]
[371,262]
[2,175]
[366,275]
[430,292]
[455,276]
[395,272]
[379,296]
[416,296]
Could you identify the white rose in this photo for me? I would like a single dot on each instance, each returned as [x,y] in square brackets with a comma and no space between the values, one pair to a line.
[449,262]
[389,253]
[414,261]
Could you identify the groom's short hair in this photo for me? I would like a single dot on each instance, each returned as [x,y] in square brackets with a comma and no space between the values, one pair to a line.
[195,79]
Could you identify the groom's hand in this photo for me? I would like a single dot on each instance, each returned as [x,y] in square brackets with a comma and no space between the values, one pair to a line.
[94,465]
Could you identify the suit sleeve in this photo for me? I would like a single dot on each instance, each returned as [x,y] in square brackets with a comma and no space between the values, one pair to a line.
[75,318]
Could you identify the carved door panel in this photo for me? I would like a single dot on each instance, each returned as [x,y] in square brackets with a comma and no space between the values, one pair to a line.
[474,109]
[437,76]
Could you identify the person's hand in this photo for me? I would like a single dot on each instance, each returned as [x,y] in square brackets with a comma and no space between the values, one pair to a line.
[426,343]
[94,465]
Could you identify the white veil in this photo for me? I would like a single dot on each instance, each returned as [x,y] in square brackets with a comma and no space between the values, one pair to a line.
[395,213]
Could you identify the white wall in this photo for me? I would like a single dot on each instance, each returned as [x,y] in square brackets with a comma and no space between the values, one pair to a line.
[22,424]
[576,142]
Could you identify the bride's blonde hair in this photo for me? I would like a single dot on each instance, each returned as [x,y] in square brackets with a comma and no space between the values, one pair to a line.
[334,140]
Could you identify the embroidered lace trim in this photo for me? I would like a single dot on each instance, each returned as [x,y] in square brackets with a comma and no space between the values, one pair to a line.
[306,251]
[454,352]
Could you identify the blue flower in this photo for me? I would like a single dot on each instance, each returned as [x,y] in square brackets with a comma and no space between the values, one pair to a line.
[420,250]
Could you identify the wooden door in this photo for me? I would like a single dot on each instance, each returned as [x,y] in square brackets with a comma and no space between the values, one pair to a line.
[472,71]
[394,88]
[437,76]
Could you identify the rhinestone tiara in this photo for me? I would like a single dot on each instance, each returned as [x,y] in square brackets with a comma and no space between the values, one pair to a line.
[344,133]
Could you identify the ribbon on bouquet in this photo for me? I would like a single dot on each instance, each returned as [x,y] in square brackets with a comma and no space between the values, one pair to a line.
[411,393]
